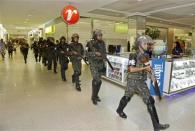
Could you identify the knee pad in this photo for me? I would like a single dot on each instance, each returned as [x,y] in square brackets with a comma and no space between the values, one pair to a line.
[126,98]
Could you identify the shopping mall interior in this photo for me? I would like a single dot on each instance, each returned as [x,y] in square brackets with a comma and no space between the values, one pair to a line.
[51,70]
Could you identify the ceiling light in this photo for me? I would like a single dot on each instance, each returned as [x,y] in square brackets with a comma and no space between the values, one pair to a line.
[192,14]
[139,0]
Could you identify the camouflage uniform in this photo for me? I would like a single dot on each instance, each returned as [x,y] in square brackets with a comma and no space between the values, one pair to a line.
[35,48]
[76,62]
[136,84]
[63,58]
[24,48]
[44,54]
[136,81]
[51,56]
[97,66]
[40,48]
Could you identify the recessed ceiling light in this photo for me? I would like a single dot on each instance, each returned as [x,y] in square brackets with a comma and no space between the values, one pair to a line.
[192,14]
[139,0]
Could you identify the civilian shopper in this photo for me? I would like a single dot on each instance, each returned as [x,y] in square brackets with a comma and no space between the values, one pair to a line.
[77,51]
[10,48]
[177,50]
[2,48]
[63,57]
[136,84]
[96,62]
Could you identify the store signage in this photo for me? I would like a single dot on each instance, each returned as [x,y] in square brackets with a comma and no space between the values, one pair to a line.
[121,28]
[70,15]
[50,30]
[158,66]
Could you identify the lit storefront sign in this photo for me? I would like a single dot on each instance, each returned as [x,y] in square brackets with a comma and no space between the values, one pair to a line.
[50,30]
[121,28]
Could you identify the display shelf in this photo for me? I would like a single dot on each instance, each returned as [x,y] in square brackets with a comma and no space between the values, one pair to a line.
[182,75]
[120,73]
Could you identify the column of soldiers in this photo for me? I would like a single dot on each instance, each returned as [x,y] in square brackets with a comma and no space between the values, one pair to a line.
[95,51]
[50,53]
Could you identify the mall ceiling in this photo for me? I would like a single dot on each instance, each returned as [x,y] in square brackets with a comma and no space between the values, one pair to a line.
[19,16]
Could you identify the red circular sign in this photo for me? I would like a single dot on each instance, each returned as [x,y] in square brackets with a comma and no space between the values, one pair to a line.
[70,14]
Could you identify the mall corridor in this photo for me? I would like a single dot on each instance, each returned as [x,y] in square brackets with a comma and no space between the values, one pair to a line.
[34,99]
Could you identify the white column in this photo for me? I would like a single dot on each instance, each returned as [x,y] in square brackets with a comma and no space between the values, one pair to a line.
[137,25]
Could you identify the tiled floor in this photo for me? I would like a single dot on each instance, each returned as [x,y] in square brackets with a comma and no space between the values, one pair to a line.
[34,99]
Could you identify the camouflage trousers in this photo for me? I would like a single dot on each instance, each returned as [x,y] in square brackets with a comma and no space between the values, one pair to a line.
[77,66]
[96,82]
[96,74]
[138,87]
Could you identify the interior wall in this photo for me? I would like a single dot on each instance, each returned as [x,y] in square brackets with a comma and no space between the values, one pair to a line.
[60,30]
[83,28]
[109,34]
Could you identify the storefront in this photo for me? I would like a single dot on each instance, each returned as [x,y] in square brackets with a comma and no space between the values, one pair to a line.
[3,33]
[116,36]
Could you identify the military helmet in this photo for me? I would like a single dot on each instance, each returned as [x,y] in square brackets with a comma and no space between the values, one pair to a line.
[96,33]
[62,37]
[144,39]
[75,35]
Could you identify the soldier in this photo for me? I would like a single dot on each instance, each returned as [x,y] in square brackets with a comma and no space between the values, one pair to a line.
[51,54]
[40,45]
[77,51]
[44,50]
[24,49]
[96,62]
[136,84]
[63,57]
[35,48]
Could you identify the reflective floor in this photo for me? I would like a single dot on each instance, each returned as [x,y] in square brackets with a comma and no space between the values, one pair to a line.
[35,99]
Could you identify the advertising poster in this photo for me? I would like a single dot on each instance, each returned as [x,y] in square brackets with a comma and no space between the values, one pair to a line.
[158,66]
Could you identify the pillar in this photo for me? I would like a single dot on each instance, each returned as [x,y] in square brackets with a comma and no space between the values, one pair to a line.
[193,39]
[137,26]
[170,40]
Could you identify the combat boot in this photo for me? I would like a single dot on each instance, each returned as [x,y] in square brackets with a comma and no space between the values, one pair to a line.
[154,116]
[122,105]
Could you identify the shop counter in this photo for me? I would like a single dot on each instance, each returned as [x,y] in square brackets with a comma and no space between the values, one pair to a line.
[120,64]
[178,74]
